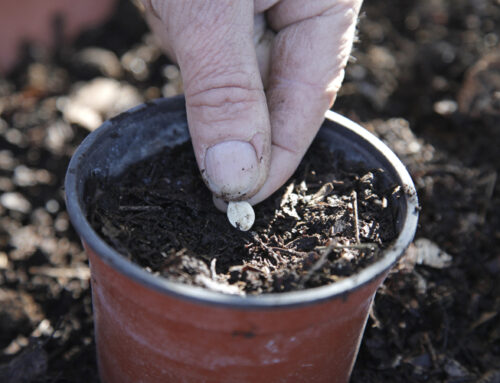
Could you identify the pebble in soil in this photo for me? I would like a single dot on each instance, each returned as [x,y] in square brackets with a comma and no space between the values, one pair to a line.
[329,220]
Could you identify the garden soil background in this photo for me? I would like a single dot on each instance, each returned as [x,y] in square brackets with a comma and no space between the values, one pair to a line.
[425,78]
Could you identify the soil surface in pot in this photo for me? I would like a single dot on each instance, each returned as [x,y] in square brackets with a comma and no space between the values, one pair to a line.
[330,219]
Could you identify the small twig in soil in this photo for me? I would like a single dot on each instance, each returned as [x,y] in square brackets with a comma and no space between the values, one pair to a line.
[326,250]
[323,192]
[319,263]
[289,251]
[491,181]
[213,273]
[276,256]
[286,194]
[357,246]
[217,286]
[374,318]
[430,348]
[354,197]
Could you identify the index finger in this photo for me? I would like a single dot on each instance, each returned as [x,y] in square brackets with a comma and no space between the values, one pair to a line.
[310,52]
[225,101]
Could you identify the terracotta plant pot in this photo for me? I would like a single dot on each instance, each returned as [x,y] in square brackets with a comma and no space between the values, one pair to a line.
[149,329]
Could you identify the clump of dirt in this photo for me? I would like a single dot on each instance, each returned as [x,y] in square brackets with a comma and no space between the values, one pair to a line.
[331,219]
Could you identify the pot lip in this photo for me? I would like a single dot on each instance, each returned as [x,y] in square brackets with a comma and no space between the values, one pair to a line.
[198,295]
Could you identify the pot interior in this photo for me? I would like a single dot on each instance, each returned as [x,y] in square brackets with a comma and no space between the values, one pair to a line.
[149,128]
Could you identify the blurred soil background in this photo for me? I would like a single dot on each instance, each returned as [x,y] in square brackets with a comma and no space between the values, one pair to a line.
[425,77]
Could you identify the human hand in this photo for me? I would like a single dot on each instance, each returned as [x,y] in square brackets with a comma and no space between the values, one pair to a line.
[248,140]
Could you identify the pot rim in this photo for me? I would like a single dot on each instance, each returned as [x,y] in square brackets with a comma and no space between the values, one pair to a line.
[196,294]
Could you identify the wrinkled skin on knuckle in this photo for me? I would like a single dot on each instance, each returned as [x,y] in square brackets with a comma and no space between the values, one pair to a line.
[217,69]
[215,109]
[219,92]
[224,101]
[288,12]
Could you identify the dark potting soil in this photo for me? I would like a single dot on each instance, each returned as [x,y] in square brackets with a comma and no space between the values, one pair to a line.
[328,221]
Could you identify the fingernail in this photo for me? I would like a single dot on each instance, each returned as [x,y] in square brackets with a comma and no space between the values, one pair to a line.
[231,169]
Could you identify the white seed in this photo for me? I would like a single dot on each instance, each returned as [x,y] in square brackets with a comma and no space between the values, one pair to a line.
[241,215]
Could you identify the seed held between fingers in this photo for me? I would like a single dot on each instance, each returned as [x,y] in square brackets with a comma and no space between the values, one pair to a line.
[241,215]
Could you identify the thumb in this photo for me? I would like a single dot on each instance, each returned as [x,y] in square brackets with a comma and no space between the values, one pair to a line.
[225,100]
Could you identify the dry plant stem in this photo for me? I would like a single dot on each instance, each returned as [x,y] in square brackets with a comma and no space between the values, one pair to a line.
[213,272]
[319,263]
[288,251]
[324,191]
[354,197]
[356,246]
[326,250]
[491,181]
[286,195]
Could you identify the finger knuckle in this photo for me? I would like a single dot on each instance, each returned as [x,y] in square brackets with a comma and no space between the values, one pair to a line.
[224,102]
